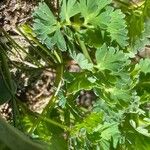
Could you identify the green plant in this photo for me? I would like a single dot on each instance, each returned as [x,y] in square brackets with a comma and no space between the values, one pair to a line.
[94,34]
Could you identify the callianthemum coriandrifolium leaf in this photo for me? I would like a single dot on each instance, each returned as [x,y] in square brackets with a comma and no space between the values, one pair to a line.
[79,81]
[103,19]
[110,59]
[117,28]
[47,28]
[82,61]
[89,123]
[90,9]
[118,95]
[144,65]
[113,21]
[142,40]
[62,99]
[43,12]
[68,9]
[59,40]
[120,86]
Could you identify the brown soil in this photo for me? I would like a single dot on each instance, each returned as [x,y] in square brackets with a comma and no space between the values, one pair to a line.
[14,12]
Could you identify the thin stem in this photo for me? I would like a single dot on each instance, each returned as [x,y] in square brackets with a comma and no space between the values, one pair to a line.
[17,45]
[24,28]
[29,112]
[57,56]
[84,49]
[4,69]
[52,100]
[53,122]
[33,47]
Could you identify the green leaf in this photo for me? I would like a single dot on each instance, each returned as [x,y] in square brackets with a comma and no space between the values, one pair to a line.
[78,81]
[110,59]
[110,131]
[118,95]
[144,65]
[59,39]
[44,13]
[47,28]
[90,9]
[89,123]
[68,9]
[62,99]
[82,61]
[117,28]
[103,19]
[112,21]
[142,40]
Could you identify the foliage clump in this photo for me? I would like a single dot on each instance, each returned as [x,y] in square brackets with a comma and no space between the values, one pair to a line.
[98,36]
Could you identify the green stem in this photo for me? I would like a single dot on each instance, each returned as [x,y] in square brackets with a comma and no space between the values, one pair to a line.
[53,122]
[34,48]
[18,46]
[29,112]
[24,28]
[4,69]
[84,49]
[52,100]
[57,56]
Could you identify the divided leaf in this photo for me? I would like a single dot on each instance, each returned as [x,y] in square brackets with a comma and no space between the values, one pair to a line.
[144,65]
[119,95]
[68,9]
[103,19]
[90,9]
[117,28]
[82,61]
[143,40]
[110,59]
[59,40]
[44,13]
[90,123]
[109,19]
[77,82]
[47,28]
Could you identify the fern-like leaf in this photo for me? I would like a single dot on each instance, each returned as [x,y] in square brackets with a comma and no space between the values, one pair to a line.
[110,59]
[100,14]
[117,28]
[143,40]
[82,61]
[68,9]
[47,28]
[144,65]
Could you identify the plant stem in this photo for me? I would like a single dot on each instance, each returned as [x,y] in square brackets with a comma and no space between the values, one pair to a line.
[51,103]
[84,49]
[34,48]
[13,42]
[27,35]
[53,122]
[29,112]
[4,70]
